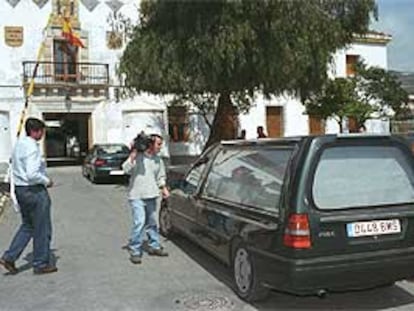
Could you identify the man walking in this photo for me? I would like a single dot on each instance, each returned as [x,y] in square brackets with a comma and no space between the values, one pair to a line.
[31,181]
[147,181]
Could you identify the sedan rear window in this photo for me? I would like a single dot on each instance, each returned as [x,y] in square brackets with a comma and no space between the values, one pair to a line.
[360,176]
[112,149]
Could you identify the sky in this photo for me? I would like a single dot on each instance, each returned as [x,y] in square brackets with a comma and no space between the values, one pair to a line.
[396,17]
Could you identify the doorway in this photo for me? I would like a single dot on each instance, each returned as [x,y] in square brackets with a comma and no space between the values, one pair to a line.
[274,121]
[67,135]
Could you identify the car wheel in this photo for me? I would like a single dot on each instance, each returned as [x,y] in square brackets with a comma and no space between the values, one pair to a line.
[164,220]
[247,284]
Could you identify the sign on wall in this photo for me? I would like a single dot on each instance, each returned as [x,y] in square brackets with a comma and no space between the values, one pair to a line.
[13,36]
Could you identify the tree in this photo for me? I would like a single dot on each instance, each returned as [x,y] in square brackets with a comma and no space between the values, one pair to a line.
[234,49]
[372,93]
[382,89]
[338,99]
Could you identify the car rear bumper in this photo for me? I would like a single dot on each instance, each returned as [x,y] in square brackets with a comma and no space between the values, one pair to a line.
[106,172]
[334,273]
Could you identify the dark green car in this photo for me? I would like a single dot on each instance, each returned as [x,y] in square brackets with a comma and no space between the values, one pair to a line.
[304,215]
[104,161]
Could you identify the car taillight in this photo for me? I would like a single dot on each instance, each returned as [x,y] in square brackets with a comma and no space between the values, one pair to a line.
[100,162]
[297,232]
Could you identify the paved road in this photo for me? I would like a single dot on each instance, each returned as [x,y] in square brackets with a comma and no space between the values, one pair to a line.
[91,224]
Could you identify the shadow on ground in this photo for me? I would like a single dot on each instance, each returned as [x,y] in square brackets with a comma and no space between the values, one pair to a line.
[374,299]
[28,258]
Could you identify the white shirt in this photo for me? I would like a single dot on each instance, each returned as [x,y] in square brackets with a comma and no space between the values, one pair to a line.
[29,168]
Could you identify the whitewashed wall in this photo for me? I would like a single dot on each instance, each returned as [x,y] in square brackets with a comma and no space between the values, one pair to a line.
[295,119]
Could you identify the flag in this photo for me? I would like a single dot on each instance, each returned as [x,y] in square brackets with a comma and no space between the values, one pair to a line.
[71,37]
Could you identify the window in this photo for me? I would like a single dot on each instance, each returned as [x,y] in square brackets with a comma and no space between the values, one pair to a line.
[178,124]
[351,61]
[65,59]
[247,176]
[358,176]
[193,178]
[112,149]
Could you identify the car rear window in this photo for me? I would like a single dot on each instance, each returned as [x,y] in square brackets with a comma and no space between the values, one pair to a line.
[112,149]
[361,176]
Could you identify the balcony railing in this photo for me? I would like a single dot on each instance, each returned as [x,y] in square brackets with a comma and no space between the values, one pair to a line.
[59,77]
[60,73]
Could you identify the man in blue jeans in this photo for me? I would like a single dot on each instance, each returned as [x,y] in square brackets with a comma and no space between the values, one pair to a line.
[147,182]
[31,181]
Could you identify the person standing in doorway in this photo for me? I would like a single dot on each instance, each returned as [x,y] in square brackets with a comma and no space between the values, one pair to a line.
[147,183]
[260,132]
[31,183]
[242,134]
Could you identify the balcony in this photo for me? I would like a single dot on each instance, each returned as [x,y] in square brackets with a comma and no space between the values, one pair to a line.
[61,79]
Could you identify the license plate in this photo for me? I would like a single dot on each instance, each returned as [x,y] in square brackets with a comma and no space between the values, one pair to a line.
[376,227]
[116,173]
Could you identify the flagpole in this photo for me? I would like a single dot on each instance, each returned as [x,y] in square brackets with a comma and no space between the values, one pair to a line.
[25,108]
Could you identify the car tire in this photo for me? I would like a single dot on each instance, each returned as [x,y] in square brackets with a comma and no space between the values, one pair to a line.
[247,284]
[164,220]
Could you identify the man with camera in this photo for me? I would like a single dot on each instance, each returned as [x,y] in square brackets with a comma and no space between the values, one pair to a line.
[147,182]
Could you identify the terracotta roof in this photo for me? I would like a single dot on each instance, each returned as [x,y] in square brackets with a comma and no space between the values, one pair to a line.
[373,37]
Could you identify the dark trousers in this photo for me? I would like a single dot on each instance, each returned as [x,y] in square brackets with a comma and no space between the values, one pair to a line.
[34,202]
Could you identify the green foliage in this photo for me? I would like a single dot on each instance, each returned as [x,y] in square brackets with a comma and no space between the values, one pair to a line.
[211,46]
[382,89]
[338,99]
[372,93]
[239,47]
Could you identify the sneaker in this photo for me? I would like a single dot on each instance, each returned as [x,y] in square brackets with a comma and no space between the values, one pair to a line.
[9,266]
[135,259]
[45,270]
[157,252]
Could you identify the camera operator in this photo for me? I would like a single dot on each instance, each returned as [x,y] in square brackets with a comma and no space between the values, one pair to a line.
[147,182]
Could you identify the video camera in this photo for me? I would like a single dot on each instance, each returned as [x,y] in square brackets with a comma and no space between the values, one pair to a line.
[142,142]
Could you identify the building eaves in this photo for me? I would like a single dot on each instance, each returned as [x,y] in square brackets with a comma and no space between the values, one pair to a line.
[373,37]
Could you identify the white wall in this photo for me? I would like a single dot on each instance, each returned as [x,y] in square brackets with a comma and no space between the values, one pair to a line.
[295,119]
[372,54]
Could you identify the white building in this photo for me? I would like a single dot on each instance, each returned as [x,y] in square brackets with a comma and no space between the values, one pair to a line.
[75,89]
[285,115]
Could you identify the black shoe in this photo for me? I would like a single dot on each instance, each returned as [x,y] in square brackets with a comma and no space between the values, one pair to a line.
[9,266]
[135,259]
[157,252]
[45,270]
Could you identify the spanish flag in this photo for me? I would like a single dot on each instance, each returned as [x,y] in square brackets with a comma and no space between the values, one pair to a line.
[69,35]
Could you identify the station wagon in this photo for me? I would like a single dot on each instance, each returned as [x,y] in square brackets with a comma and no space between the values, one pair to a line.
[304,215]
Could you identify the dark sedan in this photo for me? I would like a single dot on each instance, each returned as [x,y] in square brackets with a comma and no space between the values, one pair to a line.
[104,161]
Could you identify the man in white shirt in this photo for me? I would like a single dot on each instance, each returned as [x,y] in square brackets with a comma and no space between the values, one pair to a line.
[31,181]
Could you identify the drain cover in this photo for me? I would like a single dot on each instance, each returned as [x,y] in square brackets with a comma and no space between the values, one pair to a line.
[207,302]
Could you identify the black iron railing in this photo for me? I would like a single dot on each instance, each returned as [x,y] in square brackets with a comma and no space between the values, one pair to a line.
[59,73]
